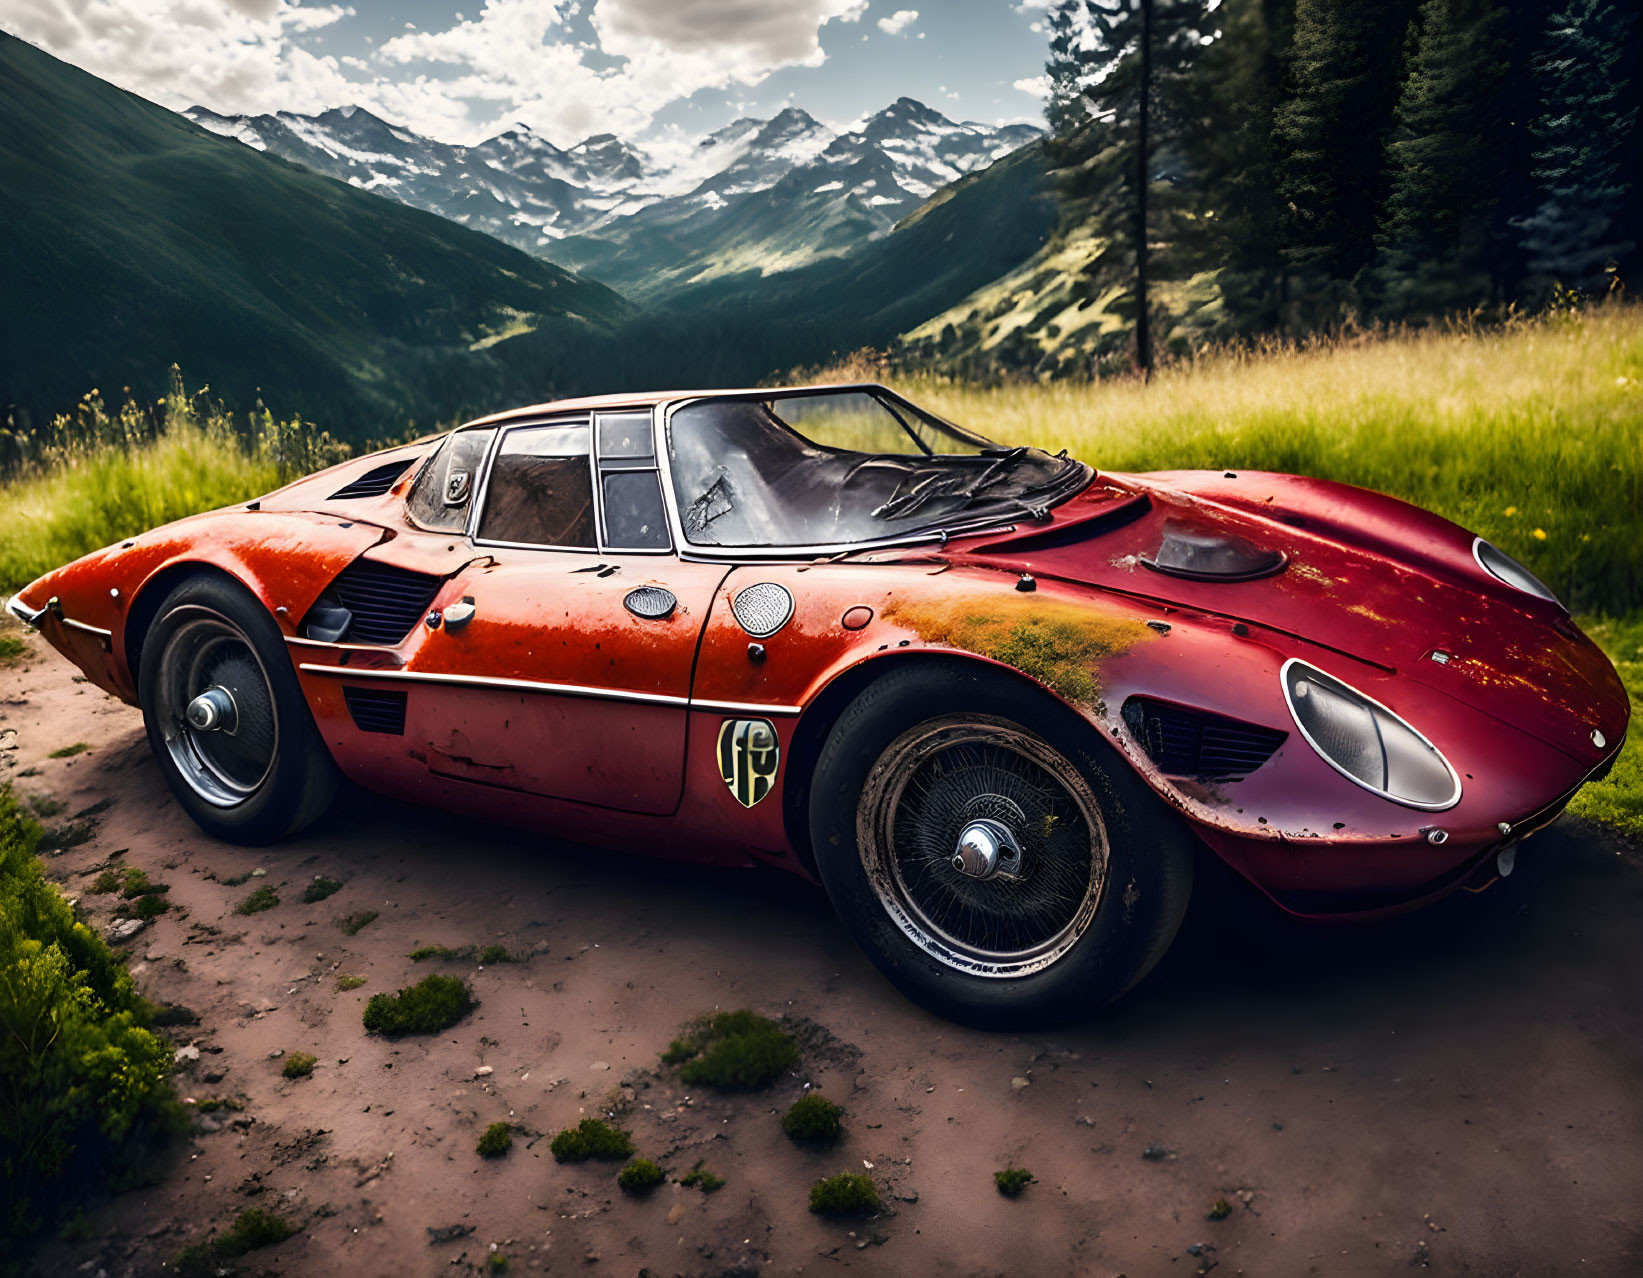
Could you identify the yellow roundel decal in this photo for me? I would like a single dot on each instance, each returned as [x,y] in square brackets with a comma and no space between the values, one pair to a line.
[748,757]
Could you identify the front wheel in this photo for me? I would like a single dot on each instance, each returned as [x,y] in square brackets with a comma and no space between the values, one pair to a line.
[226,718]
[995,861]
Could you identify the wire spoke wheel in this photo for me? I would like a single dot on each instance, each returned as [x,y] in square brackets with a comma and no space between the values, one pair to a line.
[215,708]
[984,844]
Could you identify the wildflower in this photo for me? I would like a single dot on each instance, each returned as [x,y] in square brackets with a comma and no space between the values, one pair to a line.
[1540,534]
[1511,511]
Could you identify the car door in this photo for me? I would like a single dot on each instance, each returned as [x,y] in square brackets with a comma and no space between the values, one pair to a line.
[562,653]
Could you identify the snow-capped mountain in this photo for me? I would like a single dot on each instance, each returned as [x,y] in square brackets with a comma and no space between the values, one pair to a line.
[764,194]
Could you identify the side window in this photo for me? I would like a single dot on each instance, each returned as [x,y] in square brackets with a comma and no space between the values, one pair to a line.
[444,486]
[630,490]
[540,490]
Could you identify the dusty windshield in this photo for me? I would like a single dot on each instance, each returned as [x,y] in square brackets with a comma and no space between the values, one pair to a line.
[843,467]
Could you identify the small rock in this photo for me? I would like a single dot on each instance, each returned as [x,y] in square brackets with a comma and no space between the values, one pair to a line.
[599,1065]
[906,1196]
[276,1053]
[1157,1153]
[1019,1082]
[258,873]
[448,1233]
[675,1214]
[483,1071]
[188,1053]
[125,929]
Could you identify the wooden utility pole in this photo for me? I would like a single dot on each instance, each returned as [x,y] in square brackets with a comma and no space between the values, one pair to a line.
[1143,329]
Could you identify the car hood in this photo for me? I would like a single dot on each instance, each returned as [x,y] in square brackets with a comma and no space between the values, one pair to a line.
[1343,568]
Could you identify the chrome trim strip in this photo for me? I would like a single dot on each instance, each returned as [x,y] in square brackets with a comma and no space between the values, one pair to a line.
[1478,543]
[28,616]
[560,689]
[1283,684]
[302,641]
[90,630]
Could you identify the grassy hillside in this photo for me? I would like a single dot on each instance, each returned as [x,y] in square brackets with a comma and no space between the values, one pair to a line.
[134,239]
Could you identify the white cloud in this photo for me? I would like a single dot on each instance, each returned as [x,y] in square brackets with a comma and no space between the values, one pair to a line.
[898,21]
[514,62]
[1037,85]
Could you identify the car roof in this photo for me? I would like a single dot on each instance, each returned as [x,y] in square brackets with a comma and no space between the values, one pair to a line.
[649,399]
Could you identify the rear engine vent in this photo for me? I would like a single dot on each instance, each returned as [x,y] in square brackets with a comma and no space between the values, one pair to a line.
[384,602]
[373,483]
[1195,743]
[376,711]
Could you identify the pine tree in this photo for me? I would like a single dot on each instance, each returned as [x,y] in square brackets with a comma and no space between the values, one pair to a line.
[1328,134]
[1586,157]
[1120,72]
[1445,165]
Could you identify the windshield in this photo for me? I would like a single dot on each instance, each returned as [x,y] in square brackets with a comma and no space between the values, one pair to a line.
[838,468]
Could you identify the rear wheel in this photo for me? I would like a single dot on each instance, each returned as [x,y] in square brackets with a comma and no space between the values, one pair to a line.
[226,718]
[996,861]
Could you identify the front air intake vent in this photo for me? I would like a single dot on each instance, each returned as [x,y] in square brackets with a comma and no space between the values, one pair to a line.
[376,711]
[384,602]
[373,483]
[1195,743]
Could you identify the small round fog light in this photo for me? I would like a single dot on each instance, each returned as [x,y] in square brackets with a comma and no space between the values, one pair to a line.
[1437,836]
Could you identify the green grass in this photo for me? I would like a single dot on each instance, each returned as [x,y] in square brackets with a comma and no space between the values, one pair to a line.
[591,1138]
[253,1230]
[814,1120]
[346,982]
[12,649]
[1617,800]
[432,1004]
[699,1177]
[1530,435]
[299,1065]
[1012,1180]
[847,1194]
[264,898]
[320,888]
[85,1094]
[733,1051]
[639,1176]
[69,751]
[495,1140]
[353,923]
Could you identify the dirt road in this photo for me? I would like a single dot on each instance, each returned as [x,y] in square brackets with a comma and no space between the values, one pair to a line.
[1462,1090]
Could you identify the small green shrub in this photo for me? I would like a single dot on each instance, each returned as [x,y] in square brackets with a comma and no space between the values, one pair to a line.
[847,1194]
[497,1263]
[1220,1209]
[320,888]
[814,1120]
[698,1177]
[69,751]
[495,954]
[733,1051]
[1012,1180]
[134,883]
[591,1138]
[86,1090]
[106,882]
[346,982]
[639,1176]
[352,924]
[264,898]
[435,951]
[299,1065]
[151,907]
[254,1229]
[496,1140]
[12,649]
[46,807]
[432,1004]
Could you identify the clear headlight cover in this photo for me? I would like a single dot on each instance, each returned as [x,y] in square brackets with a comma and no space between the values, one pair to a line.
[1497,563]
[1366,742]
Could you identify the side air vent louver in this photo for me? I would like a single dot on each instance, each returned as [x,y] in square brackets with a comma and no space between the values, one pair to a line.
[376,711]
[385,602]
[1195,743]
[373,483]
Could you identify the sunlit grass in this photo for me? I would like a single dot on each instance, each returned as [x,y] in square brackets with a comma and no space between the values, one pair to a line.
[1530,435]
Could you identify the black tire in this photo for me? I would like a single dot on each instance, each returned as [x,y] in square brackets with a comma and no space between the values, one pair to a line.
[212,631]
[1138,898]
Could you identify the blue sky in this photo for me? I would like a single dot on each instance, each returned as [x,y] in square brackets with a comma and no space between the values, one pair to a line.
[664,70]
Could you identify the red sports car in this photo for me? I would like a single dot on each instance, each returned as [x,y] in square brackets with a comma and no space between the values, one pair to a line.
[994,700]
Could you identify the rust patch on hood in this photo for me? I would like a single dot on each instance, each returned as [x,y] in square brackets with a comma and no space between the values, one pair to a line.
[1059,644]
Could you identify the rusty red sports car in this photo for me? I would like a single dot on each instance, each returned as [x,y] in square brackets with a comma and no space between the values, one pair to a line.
[994,700]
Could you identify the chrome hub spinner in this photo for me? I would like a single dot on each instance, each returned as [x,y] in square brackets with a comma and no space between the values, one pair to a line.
[987,850]
[213,711]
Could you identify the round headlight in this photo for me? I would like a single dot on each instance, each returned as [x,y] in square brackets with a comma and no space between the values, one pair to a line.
[1497,563]
[1363,740]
